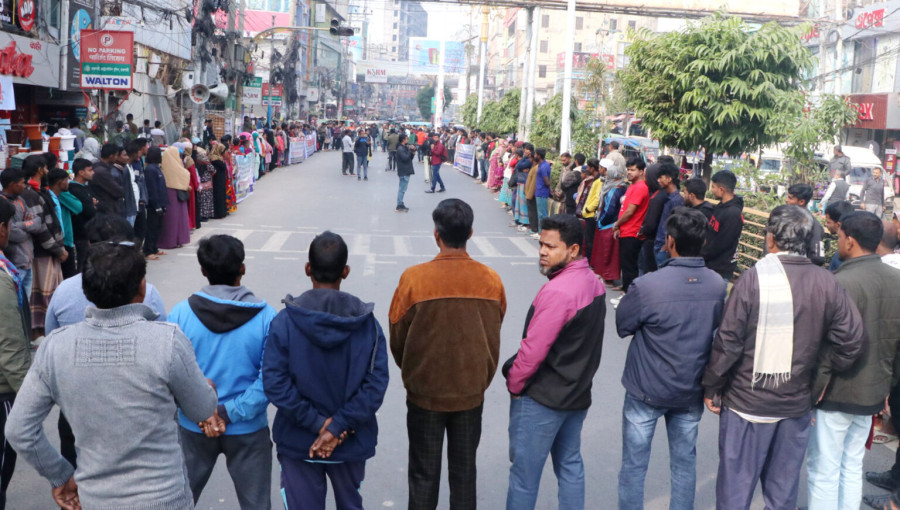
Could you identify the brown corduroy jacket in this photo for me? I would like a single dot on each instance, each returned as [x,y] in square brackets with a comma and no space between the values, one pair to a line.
[445,331]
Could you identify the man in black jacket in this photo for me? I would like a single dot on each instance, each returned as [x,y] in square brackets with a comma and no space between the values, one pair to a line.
[695,197]
[800,194]
[78,187]
[106,187]
[647,234]
[783,320]
[727,222]
[404,159]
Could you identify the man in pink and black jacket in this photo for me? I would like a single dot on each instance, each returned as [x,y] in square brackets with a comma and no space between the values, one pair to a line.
[550,377]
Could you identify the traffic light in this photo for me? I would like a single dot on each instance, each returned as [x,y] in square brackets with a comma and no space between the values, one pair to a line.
[338,30]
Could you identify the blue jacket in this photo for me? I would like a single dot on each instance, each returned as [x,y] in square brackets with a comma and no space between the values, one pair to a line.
[673,314]
[673,200]
[326,357]
[227,327]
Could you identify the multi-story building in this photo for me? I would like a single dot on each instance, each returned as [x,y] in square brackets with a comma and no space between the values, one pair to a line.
[402,19]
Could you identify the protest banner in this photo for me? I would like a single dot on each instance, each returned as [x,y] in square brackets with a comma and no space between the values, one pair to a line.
[297,150]
[465,159]
[244,166]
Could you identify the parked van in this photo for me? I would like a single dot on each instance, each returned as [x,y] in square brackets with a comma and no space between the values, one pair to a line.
[630,146]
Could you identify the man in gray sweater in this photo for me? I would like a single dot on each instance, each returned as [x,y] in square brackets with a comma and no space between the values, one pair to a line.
[118,377]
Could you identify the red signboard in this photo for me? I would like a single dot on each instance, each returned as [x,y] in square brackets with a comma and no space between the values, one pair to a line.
[872,110]
[25,10]
[579,59]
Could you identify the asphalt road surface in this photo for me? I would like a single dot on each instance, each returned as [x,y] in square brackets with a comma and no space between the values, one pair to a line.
[278,222]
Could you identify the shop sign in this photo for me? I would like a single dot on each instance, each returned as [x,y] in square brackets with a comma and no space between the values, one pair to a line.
[252,93]
[871,110]
[29,61]
[870,19]
[271,95]
[376,75]
[107,59]
[312,94]
[25,11]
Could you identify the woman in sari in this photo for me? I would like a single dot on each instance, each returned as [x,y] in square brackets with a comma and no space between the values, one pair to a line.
[194,182]
[176,229]
[205,195]
[605,254]
[258,148]
[495,179]
[220,179]
[272,159]
[520,211]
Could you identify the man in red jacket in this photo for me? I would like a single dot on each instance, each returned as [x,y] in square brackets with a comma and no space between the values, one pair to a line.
[438,156]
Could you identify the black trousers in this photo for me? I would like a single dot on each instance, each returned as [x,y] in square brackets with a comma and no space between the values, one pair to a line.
[154,227]
[629,251]
[70,266]
[894,403]
[8,456]
[140,224]
[81,253]
[347,162]
[590,230]
[426,431]
[392,160]
[66,441]
[531,203]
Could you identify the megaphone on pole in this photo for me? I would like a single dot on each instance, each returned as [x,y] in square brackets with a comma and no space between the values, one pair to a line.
[199,93]
[220,91]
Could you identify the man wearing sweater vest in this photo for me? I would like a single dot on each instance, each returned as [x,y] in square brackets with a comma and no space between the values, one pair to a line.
[227,326]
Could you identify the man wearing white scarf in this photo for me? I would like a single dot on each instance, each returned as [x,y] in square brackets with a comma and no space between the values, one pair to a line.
[783,315]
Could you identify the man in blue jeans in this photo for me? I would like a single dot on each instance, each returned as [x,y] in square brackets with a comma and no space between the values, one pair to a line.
[549,379]
[542,186]
[673,314]
[438,156]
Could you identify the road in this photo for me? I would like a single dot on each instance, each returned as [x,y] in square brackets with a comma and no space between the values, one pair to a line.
[277,224]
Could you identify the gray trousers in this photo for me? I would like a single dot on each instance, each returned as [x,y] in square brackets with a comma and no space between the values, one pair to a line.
[876,209]
[769,453]
[248,458]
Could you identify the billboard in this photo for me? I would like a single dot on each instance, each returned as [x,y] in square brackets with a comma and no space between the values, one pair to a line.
[376,75]
[424,56]
[252,93]
[107,59]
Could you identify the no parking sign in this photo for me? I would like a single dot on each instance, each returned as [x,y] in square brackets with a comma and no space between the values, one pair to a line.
[107,59]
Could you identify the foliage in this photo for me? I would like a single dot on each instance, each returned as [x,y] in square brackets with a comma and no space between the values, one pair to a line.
[469,110]
[423,99]
[546,127]
[716,84]
[501,117]
[600,86]
[804,127]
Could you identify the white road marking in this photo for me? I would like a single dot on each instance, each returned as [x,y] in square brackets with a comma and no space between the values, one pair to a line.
[385,261]
[271,226]
[522,263]
[369,267]
[286,258]
[361,244]
[524,245]
[401,247]
[485,246]
[232,224]
[276,241]
[242,235]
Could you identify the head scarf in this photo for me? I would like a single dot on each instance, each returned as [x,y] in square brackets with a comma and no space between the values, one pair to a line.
[216,152]
[202,156]
[176,175]
[615,177]
[91,150]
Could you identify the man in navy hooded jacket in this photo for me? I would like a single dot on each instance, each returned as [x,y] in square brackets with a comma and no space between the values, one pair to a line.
[227,326]
[325,369]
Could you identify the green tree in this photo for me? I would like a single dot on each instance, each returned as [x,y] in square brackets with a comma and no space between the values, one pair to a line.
[600,86]
[715,84]
[469,110]
[501,117]
[546,127]
[804,127]
[423,99]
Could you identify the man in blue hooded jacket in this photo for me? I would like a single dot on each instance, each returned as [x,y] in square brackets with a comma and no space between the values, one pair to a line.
[227,326]
[325,369]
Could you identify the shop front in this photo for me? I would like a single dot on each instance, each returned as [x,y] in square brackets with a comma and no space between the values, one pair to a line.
[878,124]
[31,66]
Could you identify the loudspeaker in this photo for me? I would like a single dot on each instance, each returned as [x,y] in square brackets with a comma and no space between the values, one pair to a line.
[220,91]
[199,93]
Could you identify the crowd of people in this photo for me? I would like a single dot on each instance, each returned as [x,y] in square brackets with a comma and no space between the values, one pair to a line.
[795,359]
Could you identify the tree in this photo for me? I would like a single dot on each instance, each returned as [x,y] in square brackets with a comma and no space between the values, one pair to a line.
[600,86]
[716,84]
[501,117]
[546,127]
[469,110]
[804,127]
[423,99]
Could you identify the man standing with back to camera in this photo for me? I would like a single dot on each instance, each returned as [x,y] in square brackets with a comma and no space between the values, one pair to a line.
[445,337]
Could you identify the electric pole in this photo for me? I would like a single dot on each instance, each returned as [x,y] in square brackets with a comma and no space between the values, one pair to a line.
[565,140]
[523,96]
[483,43]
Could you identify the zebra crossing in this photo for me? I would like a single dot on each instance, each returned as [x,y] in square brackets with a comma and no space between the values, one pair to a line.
[291,243]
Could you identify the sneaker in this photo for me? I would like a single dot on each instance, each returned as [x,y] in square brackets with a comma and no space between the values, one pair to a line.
[881,501]
[402,208]
[615,302]
[521,228]
[365,178]
[343,173]
[536,236]
[429,191]
[442,190]
[513,224]
[881,479]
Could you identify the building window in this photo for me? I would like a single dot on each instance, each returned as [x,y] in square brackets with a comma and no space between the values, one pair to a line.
[621,58]
[545,45]
[512,30]
[396,13]
[613,24]
[632,24]
[395,37]
[395,24]
[545,21]
[394,49]
[579,23]
[542,71]
[577,47]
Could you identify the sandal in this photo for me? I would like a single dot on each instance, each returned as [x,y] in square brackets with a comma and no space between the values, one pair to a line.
[883,437]
[151,257]
[160,252]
